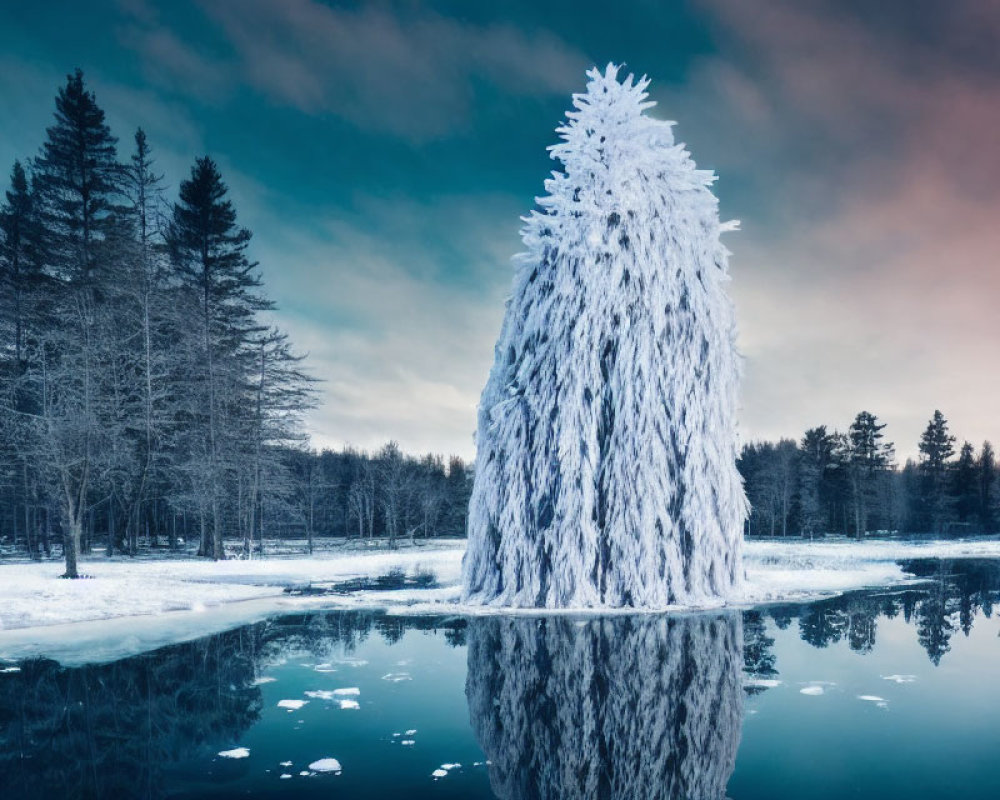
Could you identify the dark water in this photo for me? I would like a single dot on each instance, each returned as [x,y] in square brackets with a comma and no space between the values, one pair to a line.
[874,694]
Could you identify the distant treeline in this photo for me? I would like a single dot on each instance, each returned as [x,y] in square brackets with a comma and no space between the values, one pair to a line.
[144,400]
[849,483]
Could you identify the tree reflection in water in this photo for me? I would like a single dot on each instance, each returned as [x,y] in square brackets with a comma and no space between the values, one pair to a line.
[629,706]
[616,707]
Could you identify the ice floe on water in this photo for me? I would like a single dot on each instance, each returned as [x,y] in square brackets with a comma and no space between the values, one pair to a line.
[320,694]
[443,770]
[396,677]
[881,702]
[325,668]
[347,691]
[812,690]
[263,679]
[236,752]
[326,765]
[292,705]
[900,678]
[284,763]
[285,776]
[408,742]
[411,732]
[348,704]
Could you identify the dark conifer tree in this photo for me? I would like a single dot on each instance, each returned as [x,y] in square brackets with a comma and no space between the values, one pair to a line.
[210,255]
[936,449]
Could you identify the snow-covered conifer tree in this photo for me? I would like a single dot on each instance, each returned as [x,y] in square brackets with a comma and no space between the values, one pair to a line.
[605,472]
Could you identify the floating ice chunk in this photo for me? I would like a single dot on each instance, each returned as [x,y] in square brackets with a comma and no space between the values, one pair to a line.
[320,694]
[811,690]
[439,773]
[349,691]
[292,705]
[350,704]
[352,662]
[407,742]
[881,702]
[284,776]
[305,773]
[396,677]
[264,679]
[236,752]
[450,767]
[285,764]
[900,678]
[325,765]
[9,670]
[411,731]
[396,735]
[762,683]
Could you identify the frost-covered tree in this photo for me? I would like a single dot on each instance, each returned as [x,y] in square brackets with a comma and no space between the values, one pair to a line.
[606,473]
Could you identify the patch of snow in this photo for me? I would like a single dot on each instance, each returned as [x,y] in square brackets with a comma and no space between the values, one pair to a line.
[325,765]
[236,752]
[264,679]
[9,670]
[292,705]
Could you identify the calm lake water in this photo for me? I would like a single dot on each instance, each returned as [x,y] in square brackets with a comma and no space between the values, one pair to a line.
[873,694]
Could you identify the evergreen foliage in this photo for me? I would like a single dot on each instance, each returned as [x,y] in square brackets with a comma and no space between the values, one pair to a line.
[606,443]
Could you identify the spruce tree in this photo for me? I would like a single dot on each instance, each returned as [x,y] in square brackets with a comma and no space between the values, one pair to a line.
[817,448]
[209,250]
[965,486]
[606,446]
[20,267]
[936,449]
[79,182]
[986,469]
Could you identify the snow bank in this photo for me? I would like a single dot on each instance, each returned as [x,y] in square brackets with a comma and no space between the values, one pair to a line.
[132,607]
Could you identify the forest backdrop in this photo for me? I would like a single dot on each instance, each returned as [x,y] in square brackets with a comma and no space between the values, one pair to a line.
[147,400]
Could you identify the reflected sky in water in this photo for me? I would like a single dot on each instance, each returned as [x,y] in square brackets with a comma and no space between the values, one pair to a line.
[873,694]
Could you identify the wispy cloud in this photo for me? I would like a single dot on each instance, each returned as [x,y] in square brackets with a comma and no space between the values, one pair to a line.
[403,343]
[406,72]
[864,278]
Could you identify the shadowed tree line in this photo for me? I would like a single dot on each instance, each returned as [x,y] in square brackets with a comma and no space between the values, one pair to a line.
[144,398]
[850,484]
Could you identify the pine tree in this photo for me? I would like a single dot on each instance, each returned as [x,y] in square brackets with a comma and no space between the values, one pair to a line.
[210,254]
[936,448]
[867,459]
[20,266]
[606,446]
[78,179]
[987,475]
[817,460]
[965,486]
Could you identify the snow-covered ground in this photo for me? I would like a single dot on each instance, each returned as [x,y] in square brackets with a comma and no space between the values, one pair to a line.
[128,607]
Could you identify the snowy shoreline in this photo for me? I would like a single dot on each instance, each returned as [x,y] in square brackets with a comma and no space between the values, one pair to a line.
[129,607]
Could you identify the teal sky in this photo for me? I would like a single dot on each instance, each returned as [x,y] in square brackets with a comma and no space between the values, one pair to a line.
[383,152]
